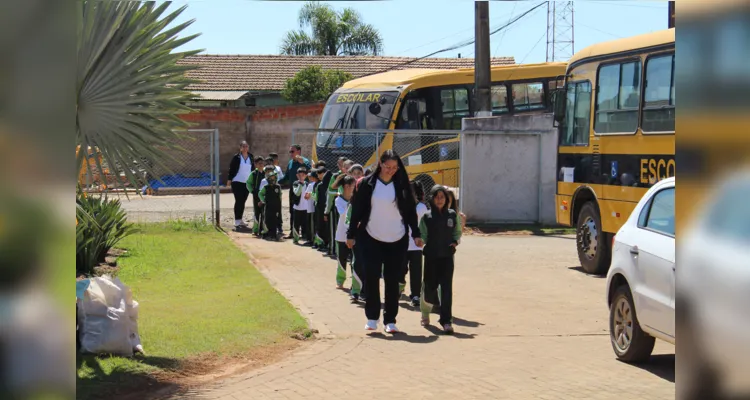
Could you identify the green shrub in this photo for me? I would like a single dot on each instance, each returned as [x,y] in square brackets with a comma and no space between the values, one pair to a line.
[95,236]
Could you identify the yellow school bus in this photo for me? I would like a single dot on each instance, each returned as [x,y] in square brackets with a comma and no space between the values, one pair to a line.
[616,118]
[424,99]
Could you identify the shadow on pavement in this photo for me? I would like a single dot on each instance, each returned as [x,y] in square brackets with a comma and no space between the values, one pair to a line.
[403,336]
[468,324]
[580,269]
[661,365]
[460,335]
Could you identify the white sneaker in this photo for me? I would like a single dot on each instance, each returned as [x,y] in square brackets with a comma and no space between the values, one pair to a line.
[372,325]
[391,328]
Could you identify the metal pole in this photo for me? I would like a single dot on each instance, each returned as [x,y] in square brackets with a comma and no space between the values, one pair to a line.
[482,77]
[218,173]
[461,173]
[213,176]
[670,22]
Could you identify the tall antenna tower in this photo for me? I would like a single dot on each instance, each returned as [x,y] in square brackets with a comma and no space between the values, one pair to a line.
[560,31]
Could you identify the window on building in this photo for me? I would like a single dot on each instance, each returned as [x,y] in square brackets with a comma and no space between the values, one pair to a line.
[575,128]
[617,98]
[658,97]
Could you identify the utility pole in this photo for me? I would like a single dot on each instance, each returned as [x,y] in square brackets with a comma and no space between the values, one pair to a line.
[482,77]
[670,24]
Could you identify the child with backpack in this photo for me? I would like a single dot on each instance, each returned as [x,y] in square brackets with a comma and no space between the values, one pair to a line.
[440,229]
[342,251]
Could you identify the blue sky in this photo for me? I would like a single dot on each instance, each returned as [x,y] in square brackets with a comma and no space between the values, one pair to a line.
[418,27]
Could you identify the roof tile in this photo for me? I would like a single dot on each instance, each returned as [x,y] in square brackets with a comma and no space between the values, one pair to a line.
[270,72]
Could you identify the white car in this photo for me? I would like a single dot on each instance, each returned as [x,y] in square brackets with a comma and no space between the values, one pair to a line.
[641,278]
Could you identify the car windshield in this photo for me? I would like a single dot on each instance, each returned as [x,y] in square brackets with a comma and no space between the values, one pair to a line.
[351,111]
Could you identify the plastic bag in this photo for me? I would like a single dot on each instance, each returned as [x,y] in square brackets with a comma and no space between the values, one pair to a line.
[108,318]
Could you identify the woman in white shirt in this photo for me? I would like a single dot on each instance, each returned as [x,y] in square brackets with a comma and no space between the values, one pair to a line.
[383,210]
[240,168]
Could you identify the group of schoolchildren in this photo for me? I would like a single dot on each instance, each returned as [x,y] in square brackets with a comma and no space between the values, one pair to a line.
[321,207]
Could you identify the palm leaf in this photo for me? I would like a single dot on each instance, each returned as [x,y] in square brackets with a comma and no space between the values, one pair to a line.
[129,87]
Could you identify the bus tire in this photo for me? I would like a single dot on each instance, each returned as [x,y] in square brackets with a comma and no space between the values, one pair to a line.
[426,181]
[591,242]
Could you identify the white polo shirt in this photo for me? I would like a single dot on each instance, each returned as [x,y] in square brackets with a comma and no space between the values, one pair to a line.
[385,224]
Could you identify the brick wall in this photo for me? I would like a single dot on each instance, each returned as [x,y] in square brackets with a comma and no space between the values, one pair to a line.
[271,129]
[266,129]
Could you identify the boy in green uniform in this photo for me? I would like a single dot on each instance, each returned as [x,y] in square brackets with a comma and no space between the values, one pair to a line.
[253,186]
[299,206]
[270,198]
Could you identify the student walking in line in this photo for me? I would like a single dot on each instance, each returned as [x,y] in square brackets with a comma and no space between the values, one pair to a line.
[441,231]
[270,197]
[413,261]
[312,178]
[253,185]
[453,205]
[300,206]
[295,162]
[383,209]
[321,194]
[279,176]
[240,168]
[342,251]
[267,170]
[330,211]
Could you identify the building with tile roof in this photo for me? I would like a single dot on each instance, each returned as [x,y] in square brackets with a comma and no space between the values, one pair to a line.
[257,80]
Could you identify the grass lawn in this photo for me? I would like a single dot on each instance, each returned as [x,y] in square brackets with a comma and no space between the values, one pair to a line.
[200,299]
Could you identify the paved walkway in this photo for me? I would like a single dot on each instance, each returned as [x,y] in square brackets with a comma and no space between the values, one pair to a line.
[528,326]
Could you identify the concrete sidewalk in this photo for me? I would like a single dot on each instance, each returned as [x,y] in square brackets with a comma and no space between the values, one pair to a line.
[529,325]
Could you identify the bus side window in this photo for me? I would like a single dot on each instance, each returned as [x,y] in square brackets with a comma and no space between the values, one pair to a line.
[528,96]
[658,97]
[499,100]
[617,97]
[575,127]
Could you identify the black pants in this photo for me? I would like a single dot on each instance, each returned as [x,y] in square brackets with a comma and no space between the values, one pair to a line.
[439,271]
[321,226]
[272,219]
[413,267]
[311,227]
[333,221]
[291,207]
[299,230]
[240,192]
[256,207]
[358,266]
[391,257]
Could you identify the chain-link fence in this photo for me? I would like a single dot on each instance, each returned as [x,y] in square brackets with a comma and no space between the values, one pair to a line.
[185,185]
[430,156]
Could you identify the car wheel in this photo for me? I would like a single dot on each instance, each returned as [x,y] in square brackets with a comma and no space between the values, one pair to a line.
[592,244]
[630,343]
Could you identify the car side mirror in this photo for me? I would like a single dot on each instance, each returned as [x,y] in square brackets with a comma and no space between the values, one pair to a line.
[559,102]
[375,108]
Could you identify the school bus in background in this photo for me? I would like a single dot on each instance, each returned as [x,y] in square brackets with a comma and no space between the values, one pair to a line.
[425,99]
[616,119]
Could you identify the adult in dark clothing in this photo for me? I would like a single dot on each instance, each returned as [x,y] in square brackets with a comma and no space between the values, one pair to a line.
[240,168]
[296,161]
[441,232]
[383,211]
[322,195]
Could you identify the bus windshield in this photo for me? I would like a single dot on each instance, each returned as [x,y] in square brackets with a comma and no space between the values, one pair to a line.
[351,111]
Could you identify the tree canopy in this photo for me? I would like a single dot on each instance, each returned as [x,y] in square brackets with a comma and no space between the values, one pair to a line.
[313,84]
[332,33]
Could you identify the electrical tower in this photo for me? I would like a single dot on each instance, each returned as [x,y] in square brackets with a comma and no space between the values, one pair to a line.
[560,31]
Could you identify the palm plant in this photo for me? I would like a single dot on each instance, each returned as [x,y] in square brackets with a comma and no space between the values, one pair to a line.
[129,86]
[333,33]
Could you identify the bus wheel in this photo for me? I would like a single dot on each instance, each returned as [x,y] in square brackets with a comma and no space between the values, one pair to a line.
[593,248]
[426,181]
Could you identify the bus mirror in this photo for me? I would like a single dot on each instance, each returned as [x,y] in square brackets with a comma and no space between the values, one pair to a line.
[559,98]
[375,108]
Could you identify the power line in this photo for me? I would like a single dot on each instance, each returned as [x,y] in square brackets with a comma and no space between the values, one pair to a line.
[598,30]
[461,44]
[506,31]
